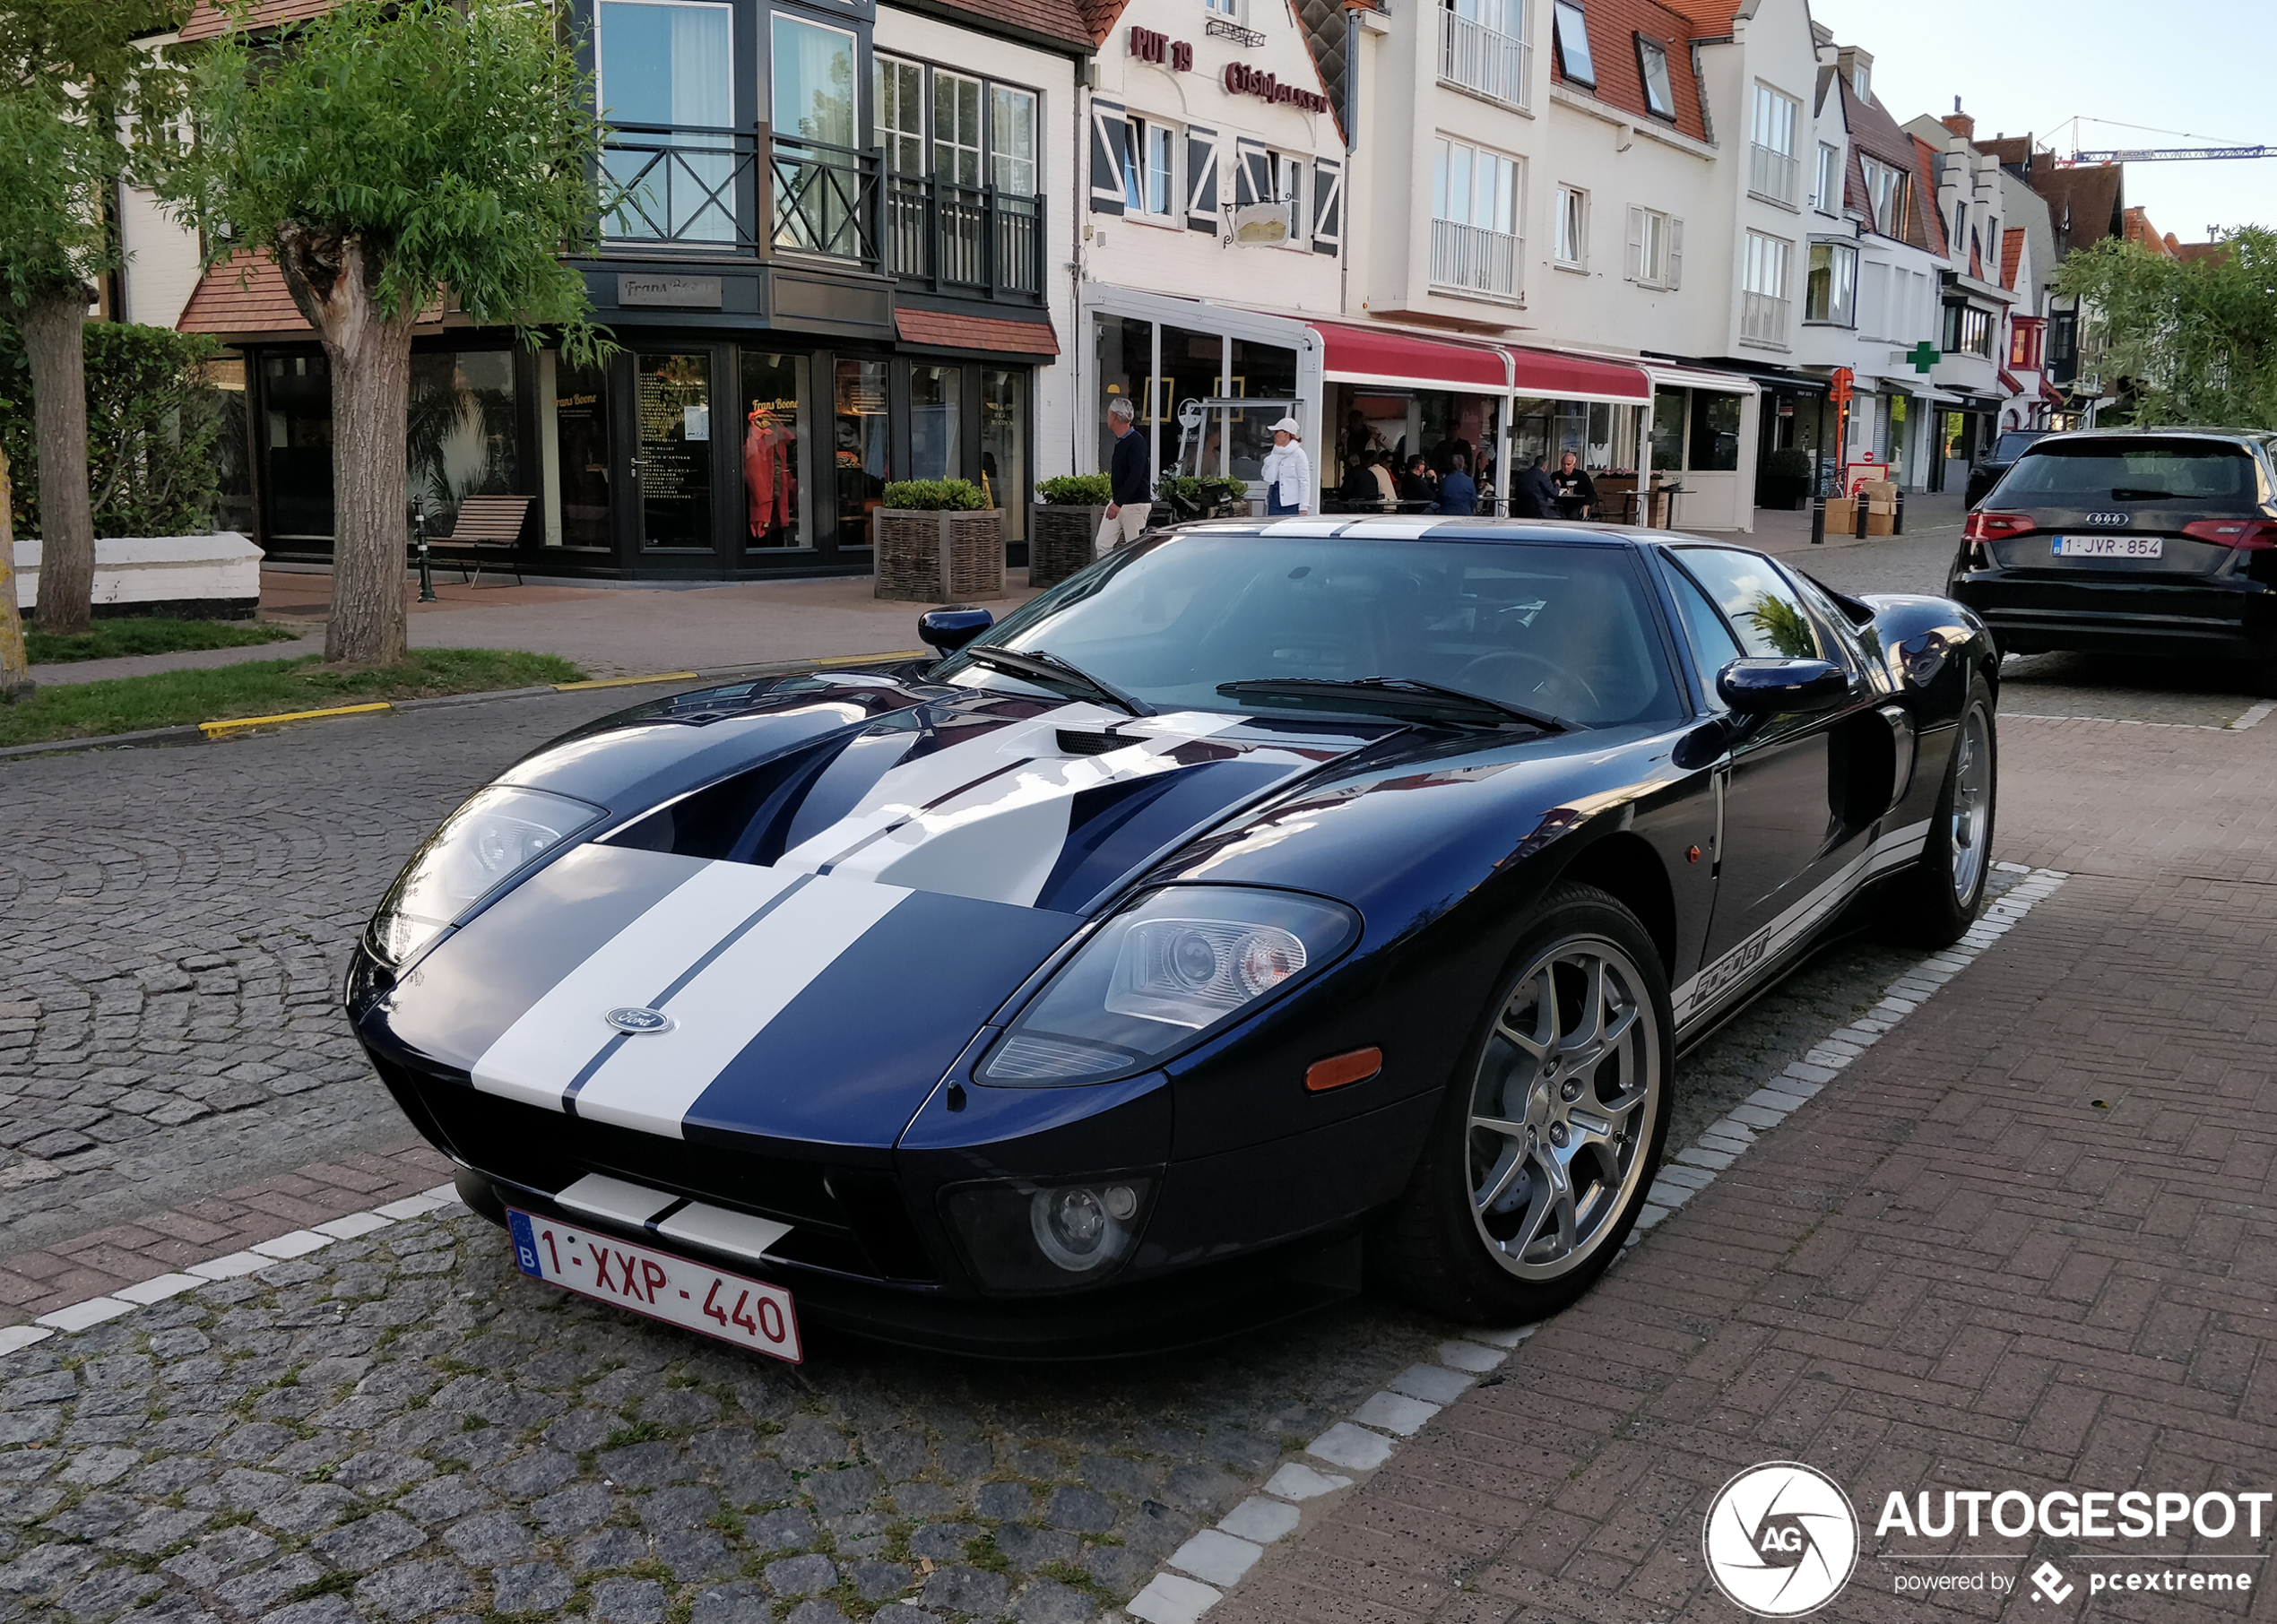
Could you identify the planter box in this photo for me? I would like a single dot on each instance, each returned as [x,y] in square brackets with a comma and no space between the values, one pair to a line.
[1059,540]
[939,558]
[215,577]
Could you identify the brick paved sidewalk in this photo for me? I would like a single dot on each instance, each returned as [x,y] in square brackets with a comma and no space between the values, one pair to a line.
[2024,1243]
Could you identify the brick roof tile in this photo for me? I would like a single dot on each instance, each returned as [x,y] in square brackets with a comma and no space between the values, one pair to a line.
[950,330]
[244,293]
[207,21]
[1613,27]
[2012,254]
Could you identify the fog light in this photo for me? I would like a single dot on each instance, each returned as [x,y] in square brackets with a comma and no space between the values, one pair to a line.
[1016,1236]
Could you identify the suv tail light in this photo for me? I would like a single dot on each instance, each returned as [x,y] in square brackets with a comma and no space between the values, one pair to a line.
[2248,535]
[1996,526]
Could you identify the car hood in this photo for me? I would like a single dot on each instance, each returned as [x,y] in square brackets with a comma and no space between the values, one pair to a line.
[885,890]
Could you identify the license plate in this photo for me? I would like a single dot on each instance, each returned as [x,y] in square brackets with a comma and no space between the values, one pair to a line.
[695,1296]
[2110,547]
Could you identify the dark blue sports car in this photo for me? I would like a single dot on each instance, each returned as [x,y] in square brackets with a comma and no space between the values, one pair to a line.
[1266,901]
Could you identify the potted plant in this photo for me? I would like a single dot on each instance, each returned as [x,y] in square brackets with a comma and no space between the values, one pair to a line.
[1063,526]
[1786,481]
[938,541]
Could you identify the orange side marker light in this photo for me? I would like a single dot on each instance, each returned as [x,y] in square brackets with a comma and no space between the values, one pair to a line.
[1338,1071]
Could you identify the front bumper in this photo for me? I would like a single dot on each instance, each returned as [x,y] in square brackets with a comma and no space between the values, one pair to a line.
[2031,611]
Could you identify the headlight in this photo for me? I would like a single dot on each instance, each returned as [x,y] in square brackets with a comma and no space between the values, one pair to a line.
[1164,970]
[486,842]
[1022,1237]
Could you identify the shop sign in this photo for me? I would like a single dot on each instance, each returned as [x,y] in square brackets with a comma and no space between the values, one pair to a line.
[1245,81]
[689,292]
[1148,45]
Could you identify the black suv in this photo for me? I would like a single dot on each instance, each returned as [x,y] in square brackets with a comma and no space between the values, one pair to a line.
[1983,475]
[2151,540]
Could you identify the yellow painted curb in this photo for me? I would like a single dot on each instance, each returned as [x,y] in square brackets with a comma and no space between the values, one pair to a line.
[211,728]
[623,682]
[870,659]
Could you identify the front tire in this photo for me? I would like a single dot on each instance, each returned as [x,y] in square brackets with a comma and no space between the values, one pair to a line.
[1935,901]
[1551,1129]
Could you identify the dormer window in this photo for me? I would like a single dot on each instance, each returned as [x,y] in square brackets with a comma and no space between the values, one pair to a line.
[1862,81]
[1573,44]
[1652,62]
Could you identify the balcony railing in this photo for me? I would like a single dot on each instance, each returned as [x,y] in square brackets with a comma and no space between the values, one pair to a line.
[826,199]
[1470,259]
[1762,319]
[958,236]
[1482,59]
[1772,173]
[680,187]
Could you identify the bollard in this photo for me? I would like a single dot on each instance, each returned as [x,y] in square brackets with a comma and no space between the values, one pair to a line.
[426,574]
[1896,519]
[1860,500]
[1818,520]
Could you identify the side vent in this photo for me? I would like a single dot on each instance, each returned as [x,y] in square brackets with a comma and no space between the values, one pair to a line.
[1075,743]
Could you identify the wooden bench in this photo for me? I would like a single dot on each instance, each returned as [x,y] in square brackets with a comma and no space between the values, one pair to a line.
[488,528]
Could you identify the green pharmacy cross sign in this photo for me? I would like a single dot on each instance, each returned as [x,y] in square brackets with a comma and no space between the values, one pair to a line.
[1924,356]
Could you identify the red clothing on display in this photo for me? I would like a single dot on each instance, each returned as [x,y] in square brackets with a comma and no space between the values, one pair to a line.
[767,475]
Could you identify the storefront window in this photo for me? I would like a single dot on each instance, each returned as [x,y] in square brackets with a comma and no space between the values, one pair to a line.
[774,428]
[1004,445]
[297,398]
[861,443]
[1265,373]
[1192,365]
[460,430]
[935,396]
[233,506]
[1894,437]
[1123,348]
[673,402]
[574,407]
[1715,432]
[665,68]
[1668,430]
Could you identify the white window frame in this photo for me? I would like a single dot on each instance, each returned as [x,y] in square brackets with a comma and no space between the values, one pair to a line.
[1141,175]
[1766,267]
[1224,8]
[1459,238]
[1829,200]
[1648,52]
[1844,313]
[1884,204]
[946,144]
[1775,172]
[894,136]
[1570,241]
[1288,170]
[1001,164]
[1656,248]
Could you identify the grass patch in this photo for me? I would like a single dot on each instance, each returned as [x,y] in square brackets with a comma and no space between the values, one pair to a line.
[982,1553]
[331,1584]
[149,635]
[264,687]
[638,1432]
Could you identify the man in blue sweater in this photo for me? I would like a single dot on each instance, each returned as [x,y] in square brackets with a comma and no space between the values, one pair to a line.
[1457,493]
[1130,494]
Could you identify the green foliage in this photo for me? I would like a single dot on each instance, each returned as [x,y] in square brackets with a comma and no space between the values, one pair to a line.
[635,1432]
[1076,491]
[1788,463]
[454,146]
[150,635]
[1782,621]
[934,495]
[153,429]
[2193,342]
[52,233]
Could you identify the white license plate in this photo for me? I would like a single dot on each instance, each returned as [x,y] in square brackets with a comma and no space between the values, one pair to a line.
[697,1297]
[2110,547]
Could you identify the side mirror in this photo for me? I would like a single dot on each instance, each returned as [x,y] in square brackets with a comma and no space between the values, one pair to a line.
[949,629]
[1779,686]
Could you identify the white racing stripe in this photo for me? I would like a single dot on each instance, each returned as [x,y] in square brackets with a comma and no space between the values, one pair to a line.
[648,1081]
[534,1060]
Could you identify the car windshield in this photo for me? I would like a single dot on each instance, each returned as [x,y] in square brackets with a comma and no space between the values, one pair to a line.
[2011,446]
[2156,471]
[1564,630]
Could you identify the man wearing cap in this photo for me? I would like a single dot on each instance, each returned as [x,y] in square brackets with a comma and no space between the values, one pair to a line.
[1129,494]
[1288,472]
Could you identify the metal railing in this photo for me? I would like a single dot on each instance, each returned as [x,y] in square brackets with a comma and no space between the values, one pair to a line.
[954,236]
[1483,59]
[826,199]
[1762,319]
[684,186]
[1772,173]
[1473,259]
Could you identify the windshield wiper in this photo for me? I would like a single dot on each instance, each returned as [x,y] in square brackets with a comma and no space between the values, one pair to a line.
[1397,696]
[2129,492]
[1049,670]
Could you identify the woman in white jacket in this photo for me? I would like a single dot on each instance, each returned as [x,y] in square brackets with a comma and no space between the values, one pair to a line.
[1288,472]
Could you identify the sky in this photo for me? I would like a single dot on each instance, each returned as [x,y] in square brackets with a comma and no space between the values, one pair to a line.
[2201,66]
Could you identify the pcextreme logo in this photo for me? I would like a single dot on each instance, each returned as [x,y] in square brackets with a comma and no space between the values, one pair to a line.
[1780,1539]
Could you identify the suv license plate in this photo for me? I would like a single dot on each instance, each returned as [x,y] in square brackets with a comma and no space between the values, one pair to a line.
[695,1296]
[2110,547]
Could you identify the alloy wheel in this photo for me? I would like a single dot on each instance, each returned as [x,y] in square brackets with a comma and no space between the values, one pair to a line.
[1562,1108]
[1972,803]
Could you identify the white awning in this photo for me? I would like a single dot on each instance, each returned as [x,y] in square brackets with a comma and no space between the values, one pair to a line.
[1920,389]
[1665,376]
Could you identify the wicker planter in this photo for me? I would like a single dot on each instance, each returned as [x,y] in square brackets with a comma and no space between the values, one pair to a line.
[1059,540]
[949,557]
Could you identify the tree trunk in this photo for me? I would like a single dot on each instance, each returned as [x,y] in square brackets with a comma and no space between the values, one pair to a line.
[333,279]
[54,344]
[15,669]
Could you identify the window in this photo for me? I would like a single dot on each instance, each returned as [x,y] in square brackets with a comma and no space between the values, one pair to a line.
[1862,81]
[1572,226]
[1757,602]
[1829,200]
[1011,141]
[1652,62]
[901,113]
[1224,8]
[1573,44]
[2023,344]
[813,83]
[1831,292]
[1713,642]
[1656,248]
[1482,47]
[1886,196]
[956,129]
[813,105]
[1763,297]
[1149,174]
[1969,330]
[1775,169]
[1288,187]
[667,73]
[1474,219]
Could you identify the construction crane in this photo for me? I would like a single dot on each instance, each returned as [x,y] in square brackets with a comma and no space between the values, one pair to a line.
[2161,154]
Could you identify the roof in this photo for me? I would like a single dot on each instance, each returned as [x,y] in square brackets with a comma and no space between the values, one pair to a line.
[2012,152]
[1873,133]
[2191,252]
[1081,24]
[1927,229]
[1709,19]
[2012,254]
[952,331]
[1614,26]
[2135,226]
[244,293]
[207,21]
[2083,201]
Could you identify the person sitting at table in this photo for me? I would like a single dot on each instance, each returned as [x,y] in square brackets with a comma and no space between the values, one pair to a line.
[1532,496]
[1577,494]
[1387,488]
[1358,488]
[1456,495]
[1417,485]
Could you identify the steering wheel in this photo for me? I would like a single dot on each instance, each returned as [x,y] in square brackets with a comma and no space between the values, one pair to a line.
[1553,690]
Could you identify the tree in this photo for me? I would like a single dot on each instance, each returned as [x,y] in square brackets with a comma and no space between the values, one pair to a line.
[2195,340]
[388,156]
[15,669]
[78,96]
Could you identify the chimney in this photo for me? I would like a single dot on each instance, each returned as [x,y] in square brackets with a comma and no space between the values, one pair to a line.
[1960,123]
[1857,67]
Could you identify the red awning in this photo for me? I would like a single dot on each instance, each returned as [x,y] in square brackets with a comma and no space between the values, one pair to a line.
[2048,392]
[1560,376]
[2008,381]
[1385,355]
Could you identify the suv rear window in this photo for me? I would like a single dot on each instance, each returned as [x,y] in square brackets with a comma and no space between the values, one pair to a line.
[2151,472]
[2012,443]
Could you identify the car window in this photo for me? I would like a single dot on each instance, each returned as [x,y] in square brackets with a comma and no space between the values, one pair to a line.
[1713,646]
[2012,445]
[1757,602]
[2159,471]
[1838,634]
[1563,628]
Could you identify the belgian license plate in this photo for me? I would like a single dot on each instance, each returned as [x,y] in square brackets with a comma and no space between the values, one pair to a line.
[2110,547]
[695,1296]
